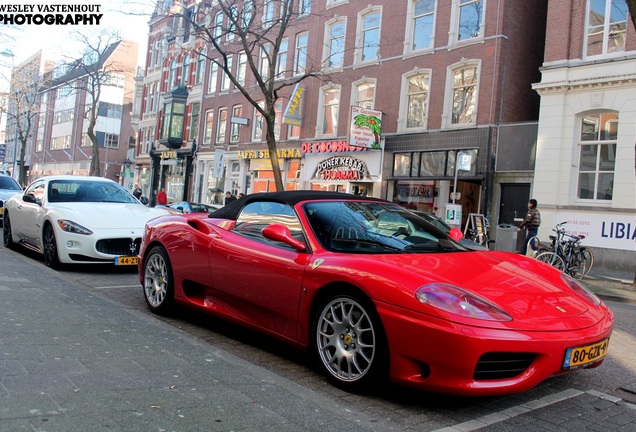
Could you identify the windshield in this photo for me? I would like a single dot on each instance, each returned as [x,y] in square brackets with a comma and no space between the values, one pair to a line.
[88,191]
[372,227]
[8,183]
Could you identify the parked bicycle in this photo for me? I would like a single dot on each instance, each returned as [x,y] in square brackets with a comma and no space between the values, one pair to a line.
[566,253]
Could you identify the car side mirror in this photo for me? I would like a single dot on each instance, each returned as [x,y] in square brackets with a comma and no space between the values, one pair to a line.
[280,233]
[455,234]
[144,200]
[29,198]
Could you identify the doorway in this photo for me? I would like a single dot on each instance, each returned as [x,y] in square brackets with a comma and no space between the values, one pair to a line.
[513,206]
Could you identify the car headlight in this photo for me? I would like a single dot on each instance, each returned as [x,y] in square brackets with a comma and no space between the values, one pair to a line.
[580,289]
[457,301]
[72,227]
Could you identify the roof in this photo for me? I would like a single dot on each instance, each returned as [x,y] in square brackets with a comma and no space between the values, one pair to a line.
[232,210]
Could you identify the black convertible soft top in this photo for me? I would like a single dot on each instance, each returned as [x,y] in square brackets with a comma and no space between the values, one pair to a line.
[232,210]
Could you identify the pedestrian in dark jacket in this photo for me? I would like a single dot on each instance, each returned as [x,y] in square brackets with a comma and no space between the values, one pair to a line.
[531,223]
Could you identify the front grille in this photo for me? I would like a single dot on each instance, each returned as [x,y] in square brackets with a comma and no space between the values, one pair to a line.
[119,246]
[492,366]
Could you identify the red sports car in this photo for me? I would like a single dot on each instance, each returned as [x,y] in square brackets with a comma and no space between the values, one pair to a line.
[375,291]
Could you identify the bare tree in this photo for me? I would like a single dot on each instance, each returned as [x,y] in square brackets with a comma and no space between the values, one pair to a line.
[94,71]
[22,107]
[256,30]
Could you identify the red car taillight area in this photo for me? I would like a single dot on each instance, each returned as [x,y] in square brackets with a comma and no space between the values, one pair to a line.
[457,301]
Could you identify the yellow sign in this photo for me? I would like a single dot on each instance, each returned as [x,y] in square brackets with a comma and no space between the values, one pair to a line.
[168,155]
[291,153]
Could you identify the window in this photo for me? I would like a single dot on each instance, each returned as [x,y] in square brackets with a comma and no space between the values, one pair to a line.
[364,93]
[248,13]
[86,141]
[330,102]
[469,18]
[257,215]
[185,69]
[232,19]
[369,25]
[278,118]
[241,68]
[420,24]
[221,126]
[415,99]
[464,95]
[194,121]
[335,44]
[214,73]
[225,81]
[257,132]
[300,60]
[235,131]
[268,12]
[198,77]
[209,123]
[304,7]
[172,73]
[606,26]
[111,140]
[281,63]
[264,61]
[597,157]
[61,142]
[218,25]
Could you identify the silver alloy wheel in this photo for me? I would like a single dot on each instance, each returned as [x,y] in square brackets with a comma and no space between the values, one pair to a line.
[156,279]
[346,339]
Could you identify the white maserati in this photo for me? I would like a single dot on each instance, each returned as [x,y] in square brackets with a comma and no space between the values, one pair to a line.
[77,219]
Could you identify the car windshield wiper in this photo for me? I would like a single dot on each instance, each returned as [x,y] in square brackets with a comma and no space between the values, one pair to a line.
[428,246]
[370,242]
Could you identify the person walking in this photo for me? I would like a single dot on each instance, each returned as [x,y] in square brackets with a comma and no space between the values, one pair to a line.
[531,223]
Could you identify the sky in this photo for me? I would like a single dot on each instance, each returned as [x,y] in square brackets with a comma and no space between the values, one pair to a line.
[129,17]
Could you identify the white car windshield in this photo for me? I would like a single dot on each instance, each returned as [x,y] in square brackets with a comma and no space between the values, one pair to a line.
[8,183]
[88,191]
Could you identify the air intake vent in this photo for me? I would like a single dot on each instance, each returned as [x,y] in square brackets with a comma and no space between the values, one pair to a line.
[493,366]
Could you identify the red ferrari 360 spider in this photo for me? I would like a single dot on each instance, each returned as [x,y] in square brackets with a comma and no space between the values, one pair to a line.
[375,291]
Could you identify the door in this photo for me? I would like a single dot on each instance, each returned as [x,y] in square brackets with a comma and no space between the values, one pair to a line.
[513,206]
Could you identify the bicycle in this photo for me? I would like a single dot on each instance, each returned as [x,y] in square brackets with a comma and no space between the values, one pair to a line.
[565,253]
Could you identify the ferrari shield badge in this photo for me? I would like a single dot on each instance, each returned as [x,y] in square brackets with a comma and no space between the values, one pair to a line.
[317,263]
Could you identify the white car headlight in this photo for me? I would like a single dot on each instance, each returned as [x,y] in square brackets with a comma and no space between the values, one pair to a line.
[457,301]
[72,227]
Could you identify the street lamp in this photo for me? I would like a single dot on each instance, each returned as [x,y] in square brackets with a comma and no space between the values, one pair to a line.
[8,53]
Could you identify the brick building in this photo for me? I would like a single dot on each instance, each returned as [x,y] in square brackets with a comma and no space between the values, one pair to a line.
[446,78]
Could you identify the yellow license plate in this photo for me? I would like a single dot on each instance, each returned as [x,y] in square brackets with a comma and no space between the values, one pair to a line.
[125,260]
[1,210]
[585,355]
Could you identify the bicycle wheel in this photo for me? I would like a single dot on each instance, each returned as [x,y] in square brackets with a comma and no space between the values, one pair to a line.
[552,259]
[588,255]
[575,265]
[540,247]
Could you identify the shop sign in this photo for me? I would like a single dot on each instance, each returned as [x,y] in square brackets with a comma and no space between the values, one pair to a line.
[291,153]
[260,165]
[424,192]
[341,168]
[365,127]
[294,112]
[329,147]
[168,155]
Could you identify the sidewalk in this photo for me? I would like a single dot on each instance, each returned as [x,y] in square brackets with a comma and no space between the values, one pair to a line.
[614,286]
